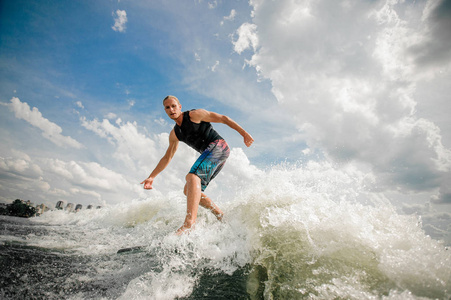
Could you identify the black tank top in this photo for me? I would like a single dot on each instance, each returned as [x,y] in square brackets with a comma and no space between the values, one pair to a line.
[198,136]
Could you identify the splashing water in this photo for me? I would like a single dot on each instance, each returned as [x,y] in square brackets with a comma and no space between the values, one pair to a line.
[295,233]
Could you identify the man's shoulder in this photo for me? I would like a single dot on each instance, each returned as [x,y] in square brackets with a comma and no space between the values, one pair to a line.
[193,111]
[173,134]
[197,114]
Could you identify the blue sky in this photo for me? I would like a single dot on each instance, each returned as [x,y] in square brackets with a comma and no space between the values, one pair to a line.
[69,62]
[57,54]
[360,85]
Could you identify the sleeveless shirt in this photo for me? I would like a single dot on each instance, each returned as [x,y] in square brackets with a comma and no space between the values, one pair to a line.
[196,135]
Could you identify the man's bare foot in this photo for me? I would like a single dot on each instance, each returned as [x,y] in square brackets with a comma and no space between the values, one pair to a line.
[184,230]
[219,216]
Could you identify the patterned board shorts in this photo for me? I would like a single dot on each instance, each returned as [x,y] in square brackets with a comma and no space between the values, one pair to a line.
[210,162]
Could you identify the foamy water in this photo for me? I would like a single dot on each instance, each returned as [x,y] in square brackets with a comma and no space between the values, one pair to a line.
[292,233]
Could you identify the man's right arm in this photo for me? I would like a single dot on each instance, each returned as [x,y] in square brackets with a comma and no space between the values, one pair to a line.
[164,161]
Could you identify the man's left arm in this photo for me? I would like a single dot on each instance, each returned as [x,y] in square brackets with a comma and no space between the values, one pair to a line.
[199,115]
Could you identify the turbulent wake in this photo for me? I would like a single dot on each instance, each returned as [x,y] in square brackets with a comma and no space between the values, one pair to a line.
[291,234]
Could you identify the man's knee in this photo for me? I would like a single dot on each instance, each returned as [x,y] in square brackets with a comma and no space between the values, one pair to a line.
[192,179]
[191,176]
[192,182]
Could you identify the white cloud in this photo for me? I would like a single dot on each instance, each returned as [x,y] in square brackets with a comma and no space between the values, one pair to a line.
[212,4]
[161,122]
[139,154]
[120,20]
[48,180]
[50,130]
[100,184]
[89,175]
[131,146]
[345,75]
[230,17]
[213,68]
[79,104]
[433,51]
[22,167]
[111,116]
[247,37]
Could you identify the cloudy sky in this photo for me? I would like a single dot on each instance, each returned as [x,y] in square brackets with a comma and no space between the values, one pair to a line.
[351,83]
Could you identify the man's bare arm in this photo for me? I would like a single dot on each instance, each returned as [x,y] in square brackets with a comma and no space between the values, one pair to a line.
[200,115]
[164,161]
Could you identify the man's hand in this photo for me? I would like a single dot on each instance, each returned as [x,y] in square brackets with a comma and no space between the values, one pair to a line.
[148,183]
[248,140]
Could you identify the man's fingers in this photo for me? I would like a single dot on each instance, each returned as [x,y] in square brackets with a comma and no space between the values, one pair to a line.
[249,142]
[147,185]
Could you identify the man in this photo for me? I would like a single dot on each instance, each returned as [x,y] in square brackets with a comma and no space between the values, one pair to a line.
[194,128]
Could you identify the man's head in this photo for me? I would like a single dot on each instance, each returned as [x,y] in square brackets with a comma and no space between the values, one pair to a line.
[172,107]
[171,97]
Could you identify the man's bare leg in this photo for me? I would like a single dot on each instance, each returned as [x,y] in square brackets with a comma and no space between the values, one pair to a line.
[192,191]
[193,194]
[206,202]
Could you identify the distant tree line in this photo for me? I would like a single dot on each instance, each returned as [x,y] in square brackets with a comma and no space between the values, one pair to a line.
[18,208]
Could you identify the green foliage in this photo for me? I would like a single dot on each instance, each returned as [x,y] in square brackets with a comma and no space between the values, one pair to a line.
[19,209]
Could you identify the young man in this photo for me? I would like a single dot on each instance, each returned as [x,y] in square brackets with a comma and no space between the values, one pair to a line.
[194,128]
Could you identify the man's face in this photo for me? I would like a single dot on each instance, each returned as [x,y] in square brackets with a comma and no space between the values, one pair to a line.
[172,108]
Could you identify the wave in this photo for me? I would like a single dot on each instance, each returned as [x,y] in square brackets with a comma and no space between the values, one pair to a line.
[290,234]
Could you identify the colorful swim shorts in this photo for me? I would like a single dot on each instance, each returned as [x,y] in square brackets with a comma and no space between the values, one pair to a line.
[210,162]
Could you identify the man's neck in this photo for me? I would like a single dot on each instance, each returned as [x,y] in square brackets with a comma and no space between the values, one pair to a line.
[179,120]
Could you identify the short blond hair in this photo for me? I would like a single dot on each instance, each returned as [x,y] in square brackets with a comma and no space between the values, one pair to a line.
[171,97]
